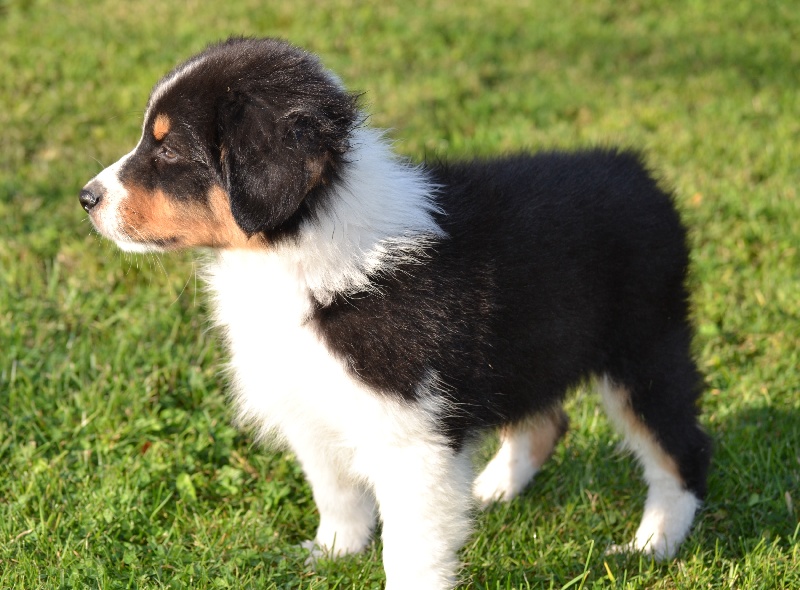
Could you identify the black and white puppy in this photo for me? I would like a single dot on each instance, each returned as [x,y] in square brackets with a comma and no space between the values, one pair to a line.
[381,315]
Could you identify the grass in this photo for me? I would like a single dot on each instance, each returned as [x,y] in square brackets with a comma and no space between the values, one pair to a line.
[118,464]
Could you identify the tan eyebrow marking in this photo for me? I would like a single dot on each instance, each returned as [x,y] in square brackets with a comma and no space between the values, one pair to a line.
[161,126]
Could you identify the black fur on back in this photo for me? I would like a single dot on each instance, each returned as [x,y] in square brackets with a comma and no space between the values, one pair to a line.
[557,267]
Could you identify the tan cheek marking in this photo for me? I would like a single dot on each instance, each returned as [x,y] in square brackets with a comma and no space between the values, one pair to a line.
[155,216]
[149,215]
[223,231]
[161,126]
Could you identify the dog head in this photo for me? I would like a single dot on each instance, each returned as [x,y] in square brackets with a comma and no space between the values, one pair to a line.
[238,144]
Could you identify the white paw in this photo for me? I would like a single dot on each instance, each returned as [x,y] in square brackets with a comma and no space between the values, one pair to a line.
[315,552]
[501,481]
[332,549]
[668,515]
[660,551]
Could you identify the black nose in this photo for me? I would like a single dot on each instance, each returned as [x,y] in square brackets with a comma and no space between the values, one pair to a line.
[89,198]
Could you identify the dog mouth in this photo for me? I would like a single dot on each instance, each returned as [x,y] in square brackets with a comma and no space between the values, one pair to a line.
[144,244]
[169,243]
[130,239]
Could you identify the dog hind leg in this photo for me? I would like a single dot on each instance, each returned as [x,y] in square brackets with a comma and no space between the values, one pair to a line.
[524,448]
[657,418]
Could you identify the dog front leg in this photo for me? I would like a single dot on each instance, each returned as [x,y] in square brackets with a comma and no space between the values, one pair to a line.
[424,498]
[346,506]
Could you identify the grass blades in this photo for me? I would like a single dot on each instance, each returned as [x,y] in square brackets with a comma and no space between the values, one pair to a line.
[119,467]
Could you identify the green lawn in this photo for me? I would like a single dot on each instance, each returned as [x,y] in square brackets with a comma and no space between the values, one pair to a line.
[119,467]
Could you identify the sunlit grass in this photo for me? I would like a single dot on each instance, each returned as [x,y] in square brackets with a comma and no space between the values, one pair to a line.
[119,466]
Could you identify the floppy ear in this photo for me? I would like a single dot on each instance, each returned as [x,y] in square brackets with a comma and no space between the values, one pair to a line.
[269,160]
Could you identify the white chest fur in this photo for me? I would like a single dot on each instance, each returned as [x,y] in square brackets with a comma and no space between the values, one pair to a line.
[359,448]
[284,377]
[282,373]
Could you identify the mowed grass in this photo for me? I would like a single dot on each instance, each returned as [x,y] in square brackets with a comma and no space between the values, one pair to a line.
[119,467]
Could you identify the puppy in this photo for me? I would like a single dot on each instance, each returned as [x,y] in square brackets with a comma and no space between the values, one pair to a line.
[380,316]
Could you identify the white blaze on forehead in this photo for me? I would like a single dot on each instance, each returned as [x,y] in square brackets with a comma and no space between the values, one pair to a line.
[166,83]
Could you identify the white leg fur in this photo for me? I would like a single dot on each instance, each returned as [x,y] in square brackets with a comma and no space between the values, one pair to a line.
[524,449]
[346,506]
[670,508]
[668,515]
[423,490]
[348,437]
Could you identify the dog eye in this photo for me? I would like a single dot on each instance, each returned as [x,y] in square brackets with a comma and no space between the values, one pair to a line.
[167,154]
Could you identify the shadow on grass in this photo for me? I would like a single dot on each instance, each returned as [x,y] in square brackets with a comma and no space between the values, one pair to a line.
[754,488]
[591,495]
